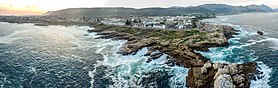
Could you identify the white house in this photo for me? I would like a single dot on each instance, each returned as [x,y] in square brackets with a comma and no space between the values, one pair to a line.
[159,26]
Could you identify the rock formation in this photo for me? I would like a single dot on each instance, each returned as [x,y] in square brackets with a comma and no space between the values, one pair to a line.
[260,33]
[220,75]
[180,45]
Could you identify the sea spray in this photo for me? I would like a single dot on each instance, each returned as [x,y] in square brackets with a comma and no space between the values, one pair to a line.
[239,52]
[261,78]
[133,71]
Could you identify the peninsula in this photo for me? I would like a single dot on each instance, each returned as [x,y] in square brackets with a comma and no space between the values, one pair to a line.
[180,45]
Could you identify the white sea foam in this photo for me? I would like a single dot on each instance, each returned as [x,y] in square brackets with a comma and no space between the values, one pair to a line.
[12,37]
[133,66]
[219,54]
[179,77]
[264,77]
[246,32]
[274,42]
[222,54]
[253,42]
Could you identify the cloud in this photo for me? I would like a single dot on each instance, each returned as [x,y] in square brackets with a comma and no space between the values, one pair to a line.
[11,9]
[42,6]
[32,7]
[54,4]
[1,9]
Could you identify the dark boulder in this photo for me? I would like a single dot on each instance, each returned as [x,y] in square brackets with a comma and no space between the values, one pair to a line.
[260,33]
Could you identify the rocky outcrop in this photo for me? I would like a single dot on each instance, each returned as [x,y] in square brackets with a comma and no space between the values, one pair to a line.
[229,32]
[154,56]
[220,75]
[224,81]
[260,33]
[180,46]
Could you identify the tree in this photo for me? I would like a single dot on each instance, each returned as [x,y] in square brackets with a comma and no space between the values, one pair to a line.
[194,24]
[128,22]
[135,21]
[162,23]
[140,20]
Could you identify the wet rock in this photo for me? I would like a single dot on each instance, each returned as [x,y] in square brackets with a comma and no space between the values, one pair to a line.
[238,79]
[202,73]
[221,71]
[149,52]
[208,65]
[241,85]
[233,69]
[229,31]
[204,69]
[170,61]
[181,46]
[224,70]
[224,81]
[149,60]
[156,55]
[240,69]
[217,66]
[153,56]
[165,44]
[260,33]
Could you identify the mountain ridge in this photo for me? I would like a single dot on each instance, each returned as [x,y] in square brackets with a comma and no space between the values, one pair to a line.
[158,11]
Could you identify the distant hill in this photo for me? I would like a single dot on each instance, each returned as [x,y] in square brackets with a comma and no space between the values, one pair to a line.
[276,10]
[223,8]
[258,8]
[218,8]
[92,12]
[174,10]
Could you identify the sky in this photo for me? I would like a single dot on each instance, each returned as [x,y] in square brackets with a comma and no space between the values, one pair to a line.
[34,7]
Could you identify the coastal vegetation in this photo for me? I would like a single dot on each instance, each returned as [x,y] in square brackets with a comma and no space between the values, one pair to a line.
[180,46]
[156,11]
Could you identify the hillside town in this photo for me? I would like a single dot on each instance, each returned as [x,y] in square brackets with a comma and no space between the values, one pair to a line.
[157,22]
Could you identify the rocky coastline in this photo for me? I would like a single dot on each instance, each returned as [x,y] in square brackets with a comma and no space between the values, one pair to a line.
[180,45]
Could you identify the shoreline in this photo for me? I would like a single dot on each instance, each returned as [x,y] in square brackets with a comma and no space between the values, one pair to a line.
[202,72]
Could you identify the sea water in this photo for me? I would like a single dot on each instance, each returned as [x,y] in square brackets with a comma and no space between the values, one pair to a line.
[248,46]
[59,56]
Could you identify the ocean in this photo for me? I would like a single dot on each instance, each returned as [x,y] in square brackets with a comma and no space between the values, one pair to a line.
[249,46]
[58,56]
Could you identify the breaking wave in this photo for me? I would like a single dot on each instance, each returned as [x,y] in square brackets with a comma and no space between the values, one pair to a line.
[241,50]
[132,70]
